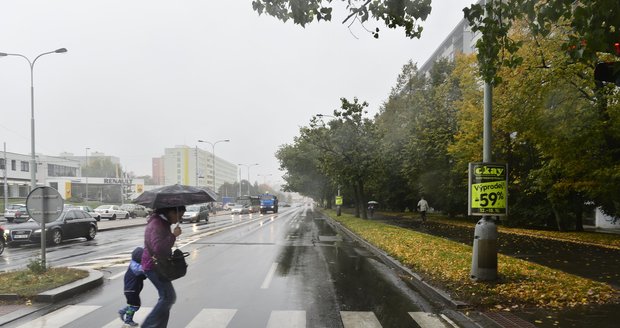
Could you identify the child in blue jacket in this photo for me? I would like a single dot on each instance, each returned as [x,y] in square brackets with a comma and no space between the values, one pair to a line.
[134,281]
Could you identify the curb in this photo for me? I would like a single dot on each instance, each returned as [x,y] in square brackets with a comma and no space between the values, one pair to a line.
[416,280]
[94,279]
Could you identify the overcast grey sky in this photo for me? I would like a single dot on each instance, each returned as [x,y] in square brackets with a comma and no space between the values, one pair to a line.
[141,76]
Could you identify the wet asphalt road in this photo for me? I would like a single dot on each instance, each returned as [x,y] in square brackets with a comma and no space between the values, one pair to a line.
[288,262]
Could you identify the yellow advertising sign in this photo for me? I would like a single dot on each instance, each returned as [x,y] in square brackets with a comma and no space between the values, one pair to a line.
[488,189]
[489,195]
[67,189]
[139,188]
[338,200]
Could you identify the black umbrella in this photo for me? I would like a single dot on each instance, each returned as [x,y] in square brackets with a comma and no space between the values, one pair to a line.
[175,195]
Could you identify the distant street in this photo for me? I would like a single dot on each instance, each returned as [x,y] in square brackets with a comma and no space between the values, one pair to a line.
[289,269]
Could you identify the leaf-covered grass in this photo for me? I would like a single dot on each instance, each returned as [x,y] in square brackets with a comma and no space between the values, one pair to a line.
[26,283]
[447,264]
[606,240]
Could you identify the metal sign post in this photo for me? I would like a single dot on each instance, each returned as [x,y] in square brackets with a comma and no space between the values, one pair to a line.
[44,204]
[487,194]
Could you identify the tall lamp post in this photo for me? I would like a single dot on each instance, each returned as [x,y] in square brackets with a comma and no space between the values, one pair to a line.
[264,177]
[249,166]
[86,199]
[213,153]
[33,163]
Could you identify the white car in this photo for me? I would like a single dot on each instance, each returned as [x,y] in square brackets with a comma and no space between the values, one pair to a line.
[239,209]
[15,213]
[195,213]
[111,212]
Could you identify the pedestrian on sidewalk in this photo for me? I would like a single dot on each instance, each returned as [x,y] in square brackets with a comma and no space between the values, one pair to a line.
[158,242]
[371,210]
[422,208]
[134,281]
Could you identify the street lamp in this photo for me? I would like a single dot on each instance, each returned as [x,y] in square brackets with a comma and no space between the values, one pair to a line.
[249,166]
[86,175]
[213,153]
[33,163]
[264,177]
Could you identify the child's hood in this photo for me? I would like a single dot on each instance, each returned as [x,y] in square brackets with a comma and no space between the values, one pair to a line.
[136,255]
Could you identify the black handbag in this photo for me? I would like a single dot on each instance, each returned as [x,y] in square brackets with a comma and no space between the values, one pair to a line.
[170,268]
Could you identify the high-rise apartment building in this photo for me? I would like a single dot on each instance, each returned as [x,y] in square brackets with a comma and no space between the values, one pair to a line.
[194,167]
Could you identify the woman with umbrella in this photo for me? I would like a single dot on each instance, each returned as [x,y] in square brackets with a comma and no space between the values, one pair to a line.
[169,204]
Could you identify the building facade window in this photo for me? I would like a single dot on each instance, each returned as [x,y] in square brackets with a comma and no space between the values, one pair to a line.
[24,166]
[54,170]
[13,165]
[2,164]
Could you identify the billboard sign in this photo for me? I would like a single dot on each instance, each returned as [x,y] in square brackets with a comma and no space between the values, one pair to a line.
[488,189]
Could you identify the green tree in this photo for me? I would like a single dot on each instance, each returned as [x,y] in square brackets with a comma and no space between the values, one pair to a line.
[593,24]
[300,161]
[101,168]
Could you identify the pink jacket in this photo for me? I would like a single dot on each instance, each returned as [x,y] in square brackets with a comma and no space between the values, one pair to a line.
[157,237]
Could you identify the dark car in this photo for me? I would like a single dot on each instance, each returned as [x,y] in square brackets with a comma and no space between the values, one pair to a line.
[90,211]
[135,211]
[2,242]
[72,223]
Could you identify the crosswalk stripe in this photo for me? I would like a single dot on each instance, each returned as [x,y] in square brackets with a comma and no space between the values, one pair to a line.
[355,319]
[61,317]
[427,320]
[212,318]
[287,319]
[137,317]
[221,318]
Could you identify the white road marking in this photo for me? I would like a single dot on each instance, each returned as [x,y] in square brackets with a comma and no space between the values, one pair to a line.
[287,319]
[61,317]
[137,317]
[212,318]
[120,274]
[427,320]
[269,276]
[356,319]
[454,325]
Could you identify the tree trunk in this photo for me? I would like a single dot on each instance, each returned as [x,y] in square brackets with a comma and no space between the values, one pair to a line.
[330,200]
[579,219]
[362,197]
[357,200]
[558,217]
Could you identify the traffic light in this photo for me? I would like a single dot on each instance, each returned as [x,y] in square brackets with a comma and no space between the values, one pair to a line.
[608,72]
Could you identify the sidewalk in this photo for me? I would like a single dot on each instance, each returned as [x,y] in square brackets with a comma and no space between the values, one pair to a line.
[12,312]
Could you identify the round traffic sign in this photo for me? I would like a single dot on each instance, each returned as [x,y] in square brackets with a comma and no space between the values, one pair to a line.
[44,204]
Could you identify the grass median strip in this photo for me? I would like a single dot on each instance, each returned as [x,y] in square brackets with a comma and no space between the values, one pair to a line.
[27,283]
[587,238]
[447,264]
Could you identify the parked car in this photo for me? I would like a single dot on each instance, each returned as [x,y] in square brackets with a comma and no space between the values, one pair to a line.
[89,210]
[72,223]
[240,209]
[135,210]
[2,240]
[16,213]
[111,212]
[195,213]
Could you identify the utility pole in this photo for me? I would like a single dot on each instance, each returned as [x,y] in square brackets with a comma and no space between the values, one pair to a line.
[484,257]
